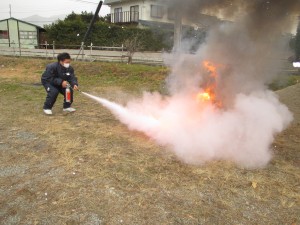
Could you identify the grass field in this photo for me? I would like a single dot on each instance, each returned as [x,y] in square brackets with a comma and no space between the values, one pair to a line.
[87,168]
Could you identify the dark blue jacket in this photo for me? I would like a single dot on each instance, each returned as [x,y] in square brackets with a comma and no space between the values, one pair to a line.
[55,74]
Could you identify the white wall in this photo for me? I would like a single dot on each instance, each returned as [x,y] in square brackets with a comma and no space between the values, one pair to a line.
[144,9]
[3,26]
[14,34]
[28,43]
[147,12]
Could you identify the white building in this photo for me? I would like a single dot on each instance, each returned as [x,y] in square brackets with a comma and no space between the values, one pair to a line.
[152,13]
[143,12]
[18,33]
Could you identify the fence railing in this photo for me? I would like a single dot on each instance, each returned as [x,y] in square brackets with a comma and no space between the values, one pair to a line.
[125,17]
[88,53]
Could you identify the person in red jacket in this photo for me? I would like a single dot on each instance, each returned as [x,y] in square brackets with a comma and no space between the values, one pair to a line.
[55,80]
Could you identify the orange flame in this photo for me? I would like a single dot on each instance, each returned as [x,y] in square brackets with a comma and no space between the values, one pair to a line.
[208,94]
[211,68]
[203,97]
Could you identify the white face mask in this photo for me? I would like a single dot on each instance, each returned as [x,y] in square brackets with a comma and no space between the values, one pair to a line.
[66,65]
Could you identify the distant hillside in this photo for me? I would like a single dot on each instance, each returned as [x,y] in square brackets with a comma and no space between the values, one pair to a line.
[41,21]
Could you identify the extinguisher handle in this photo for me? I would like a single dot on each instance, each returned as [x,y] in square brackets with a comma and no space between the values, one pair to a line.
[77,89]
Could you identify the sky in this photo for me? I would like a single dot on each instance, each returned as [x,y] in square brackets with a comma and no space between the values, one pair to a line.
[21,9]
[45,8]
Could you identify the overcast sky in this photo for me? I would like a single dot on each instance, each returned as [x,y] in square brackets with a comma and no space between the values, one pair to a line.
[46,8]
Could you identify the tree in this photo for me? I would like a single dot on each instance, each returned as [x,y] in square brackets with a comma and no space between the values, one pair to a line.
[132,45]
[106,19]
[70,31]
[84,17]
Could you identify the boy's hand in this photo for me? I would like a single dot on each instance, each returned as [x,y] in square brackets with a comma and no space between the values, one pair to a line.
[64,84]
[75,87]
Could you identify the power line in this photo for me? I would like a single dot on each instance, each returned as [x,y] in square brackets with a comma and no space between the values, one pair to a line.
[37,11]
[83,1]
[33,10]
[41,21]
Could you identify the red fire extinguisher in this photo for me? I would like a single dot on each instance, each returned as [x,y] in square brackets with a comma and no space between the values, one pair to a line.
[68,93]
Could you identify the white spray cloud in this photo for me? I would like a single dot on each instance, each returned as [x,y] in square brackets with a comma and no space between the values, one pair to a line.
[241,120]
[199,132]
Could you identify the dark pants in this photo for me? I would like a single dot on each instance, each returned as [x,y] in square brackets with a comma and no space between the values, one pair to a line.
[52,93]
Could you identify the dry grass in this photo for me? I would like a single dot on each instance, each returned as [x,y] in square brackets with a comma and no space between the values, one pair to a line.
[87,168]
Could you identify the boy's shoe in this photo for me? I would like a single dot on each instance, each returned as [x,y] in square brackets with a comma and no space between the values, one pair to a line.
[69,110]
[48,111]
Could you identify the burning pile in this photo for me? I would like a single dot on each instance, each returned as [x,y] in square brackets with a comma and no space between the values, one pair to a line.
[221,107]
[200,128]
[209,87]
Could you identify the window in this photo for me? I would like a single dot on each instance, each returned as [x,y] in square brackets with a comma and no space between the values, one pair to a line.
[171,13]
[118,15]
[157,11]
[28,35]
[3,34]
[134,13]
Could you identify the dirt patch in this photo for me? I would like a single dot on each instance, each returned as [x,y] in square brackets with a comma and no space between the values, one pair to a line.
[87,168]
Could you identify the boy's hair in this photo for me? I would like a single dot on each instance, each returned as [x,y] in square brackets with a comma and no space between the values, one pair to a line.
[63,56]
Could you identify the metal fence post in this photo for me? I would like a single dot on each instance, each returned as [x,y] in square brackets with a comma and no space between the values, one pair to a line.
[82,46]
[46,44]
[91,49]
[20,50]
[14,48]
[53,49]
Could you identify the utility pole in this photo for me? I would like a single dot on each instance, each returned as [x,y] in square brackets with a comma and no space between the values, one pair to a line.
[177,30]
[89,28]
[10,10]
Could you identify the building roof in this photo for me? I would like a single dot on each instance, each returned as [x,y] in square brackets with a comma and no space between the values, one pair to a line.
[111,2]
[12,18]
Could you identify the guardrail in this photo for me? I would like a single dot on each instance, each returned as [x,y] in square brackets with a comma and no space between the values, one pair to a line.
[125,17]
[88,53]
